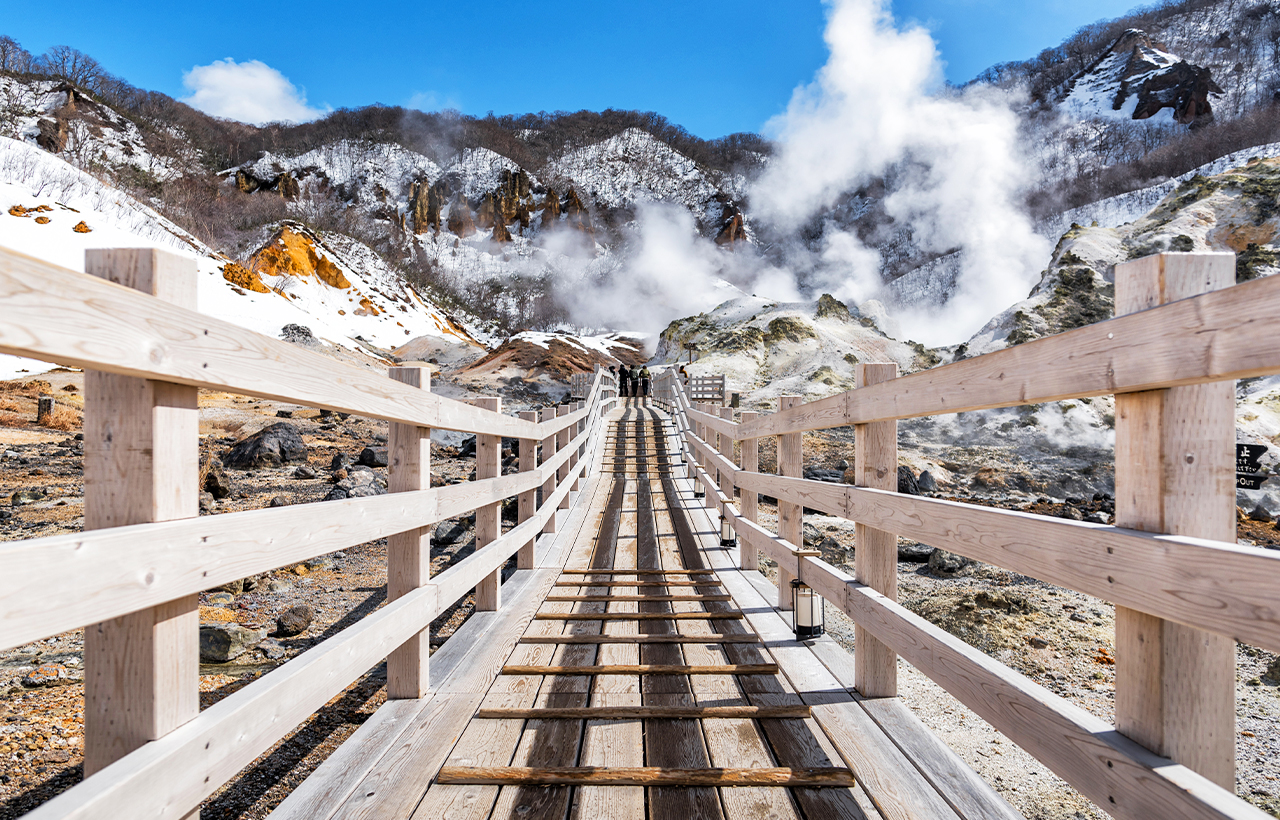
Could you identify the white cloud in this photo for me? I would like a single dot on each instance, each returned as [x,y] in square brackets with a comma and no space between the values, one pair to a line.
[251,92]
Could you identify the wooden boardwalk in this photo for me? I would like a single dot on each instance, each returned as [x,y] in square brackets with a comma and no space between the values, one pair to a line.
[693,698]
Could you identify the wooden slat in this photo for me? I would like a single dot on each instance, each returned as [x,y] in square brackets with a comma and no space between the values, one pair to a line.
[650,712]
[645,669]
[638,616]
[710,582]
[638,572]
[1217,586]
[638,598]
[790,515]
[1105,766]
[652,776]
[715,422]
[712,638]
[748,556]
[409,552]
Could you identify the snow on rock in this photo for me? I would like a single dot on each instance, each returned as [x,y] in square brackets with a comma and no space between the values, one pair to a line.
[1124,77]
[479,170]
[633,167]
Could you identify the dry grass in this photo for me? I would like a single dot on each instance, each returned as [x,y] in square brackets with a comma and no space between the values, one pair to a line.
[11,420]
[62,418]
[11,406]
[30,390]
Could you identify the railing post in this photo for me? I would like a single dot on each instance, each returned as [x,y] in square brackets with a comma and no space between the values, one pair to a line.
[711,502]
[1175,685]
[562,441]
[141,464]
[726,450]
[549,450]
[875,459]
[489,517]
[577,452]
[409,552]
[790,516]
[748,558]
[527,501]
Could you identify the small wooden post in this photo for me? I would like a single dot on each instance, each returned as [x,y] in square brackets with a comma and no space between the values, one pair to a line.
[790,516]
[726,450]
[748,558]
[141,464]
[44,407]
[409,552]
[712,440]
[489,517]
[875,665]
[562,441]
[549,450]
[1175,685]
[577,452]
[527,502]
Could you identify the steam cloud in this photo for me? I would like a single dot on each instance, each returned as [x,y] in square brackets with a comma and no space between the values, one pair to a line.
[878,110]
[879,107]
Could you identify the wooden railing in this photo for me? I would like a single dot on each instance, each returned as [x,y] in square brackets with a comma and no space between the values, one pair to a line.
[1184,591]
[131,579]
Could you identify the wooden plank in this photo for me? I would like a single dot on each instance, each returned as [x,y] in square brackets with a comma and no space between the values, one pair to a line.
[790,515]
[715,421]
[748,556]
[710,582]
[652,776]
[1218,586]
[489,517]
[1105,766]
[893,783]
[645,712]
[876,559]
[1175,685]
[716,637]
[646,669]
[638,572]
[639,616]
[141,462]
[969,795]
[638,597]
[409,552]
[527,502]
[155,780]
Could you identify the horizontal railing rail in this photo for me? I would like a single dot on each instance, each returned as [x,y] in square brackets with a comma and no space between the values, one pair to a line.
[1213,586]
[105,579]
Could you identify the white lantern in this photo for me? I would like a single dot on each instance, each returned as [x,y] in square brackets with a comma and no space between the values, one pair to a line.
[808,609]
[727,538]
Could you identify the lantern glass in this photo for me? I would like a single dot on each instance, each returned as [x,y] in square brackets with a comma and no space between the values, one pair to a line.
[808,609]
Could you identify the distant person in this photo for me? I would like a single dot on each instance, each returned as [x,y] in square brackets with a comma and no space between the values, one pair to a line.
[635,381]
[644,384]
[624,379]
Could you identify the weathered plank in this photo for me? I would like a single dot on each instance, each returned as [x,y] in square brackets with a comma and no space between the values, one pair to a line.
[643,712]
[715,637]
[637,616]
[652,776]
[646,669]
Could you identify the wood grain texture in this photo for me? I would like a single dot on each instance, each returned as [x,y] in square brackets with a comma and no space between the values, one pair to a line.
[876,559]
[790,515]
[644,712]
[549,447]
[527,501]
[409,552]
[636,616]
[1175,685]
[718,637]
[489,517]
[141,464]
[749,558]
[562,443]
[646,668]
[652,776]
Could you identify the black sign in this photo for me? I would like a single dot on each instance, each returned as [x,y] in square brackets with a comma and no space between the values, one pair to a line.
[1250,481]
[1247,457]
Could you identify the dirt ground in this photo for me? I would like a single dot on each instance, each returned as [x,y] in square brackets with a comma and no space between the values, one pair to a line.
[1059,638]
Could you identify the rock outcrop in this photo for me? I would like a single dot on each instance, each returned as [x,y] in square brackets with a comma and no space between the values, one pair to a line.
[460,221]
[272,446]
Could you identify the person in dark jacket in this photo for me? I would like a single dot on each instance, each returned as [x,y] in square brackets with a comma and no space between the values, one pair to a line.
[624,381]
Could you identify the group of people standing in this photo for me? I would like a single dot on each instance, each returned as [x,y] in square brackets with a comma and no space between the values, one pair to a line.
[633,382]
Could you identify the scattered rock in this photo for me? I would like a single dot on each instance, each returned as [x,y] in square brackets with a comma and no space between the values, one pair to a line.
[294,620]
[926,482]
[823,474]
[468,448]
[1071,514]
[55,756]
[272,446]
[358,484]
[284,414]
[943,563]
[1098,518]
[1260,514]
[304,471]
[1272,675]
[207,502]
[277,585]
[298,334]
[373,457]
[272,650]
[1076,616]
[1038,642]
[223,598]
[216,481]
[321,562]
[450,532]
[220,643]
[278,501]
[44,674]
[914,551]
[24,497]
[907,483]
[340,461]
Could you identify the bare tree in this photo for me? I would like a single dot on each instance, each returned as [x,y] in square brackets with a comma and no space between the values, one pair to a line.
[14,57]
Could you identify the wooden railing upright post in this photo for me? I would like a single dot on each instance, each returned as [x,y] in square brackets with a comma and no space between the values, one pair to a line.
[726,450]
[562,441]
[409,552]
[527,501]
[876,559]
[790,516]
[548,450]
[1175,685]
[489,517]
[748,557]
[709,435]
[141,464]
[577,453]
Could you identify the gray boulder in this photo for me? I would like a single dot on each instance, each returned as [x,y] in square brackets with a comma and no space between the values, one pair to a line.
[273,446]
[360,483]
[220,643]
[945,563]
[294,620]
[823,474]
[304,471]
[907,483]
[216,481]
[373,457]
[914,552]
[926,482]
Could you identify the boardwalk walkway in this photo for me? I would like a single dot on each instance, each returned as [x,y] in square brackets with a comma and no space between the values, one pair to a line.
[685,682]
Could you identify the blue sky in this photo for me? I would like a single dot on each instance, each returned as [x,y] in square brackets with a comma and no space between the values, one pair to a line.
[713,67]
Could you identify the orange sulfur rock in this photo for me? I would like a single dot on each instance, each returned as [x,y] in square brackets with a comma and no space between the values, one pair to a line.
[293,251]
[239,275]
[81,227]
